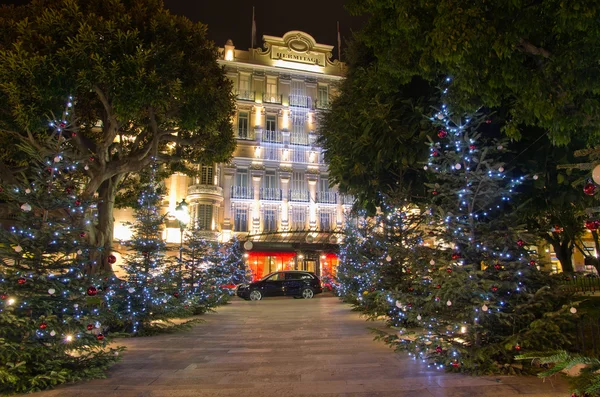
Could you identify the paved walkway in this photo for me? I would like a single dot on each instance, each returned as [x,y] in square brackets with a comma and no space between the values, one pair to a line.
[285,347]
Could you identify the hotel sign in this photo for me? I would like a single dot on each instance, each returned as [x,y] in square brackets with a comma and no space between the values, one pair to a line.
[288,54]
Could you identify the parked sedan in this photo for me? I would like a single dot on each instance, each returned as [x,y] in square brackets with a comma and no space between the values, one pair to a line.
[298,284]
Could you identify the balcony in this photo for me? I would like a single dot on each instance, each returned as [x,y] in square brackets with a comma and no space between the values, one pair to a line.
[270,194]
[245,134]
[300,196]
[300,101]
[271,152]
[246,95]
[272,136]
[269,98]
[297,156]
[205,191]
[299,138]
[327,197]
[242,192]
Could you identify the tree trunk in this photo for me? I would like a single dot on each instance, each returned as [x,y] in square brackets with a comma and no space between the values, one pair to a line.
[102,233]
[564,254]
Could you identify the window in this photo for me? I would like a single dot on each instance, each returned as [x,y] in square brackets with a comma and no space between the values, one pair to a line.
[298,135]
[298,180]
[322,96]
[240,219]
[206,175]
[298,218]
[243,132]
[271,122]
[271,91]
[244,84]
[241,178]
[205,212]
[277,277]
[324,181]
[327,219]
[270,219]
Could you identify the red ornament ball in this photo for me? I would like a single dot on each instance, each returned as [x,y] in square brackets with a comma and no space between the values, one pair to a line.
[91,291]
[100,337]
[592,225]
[472,147]
[439,285]
[111,259]
[82,234]
[517,347]
[455,255]
[90,327]
[438,349]
[532,262]
[442,134]
[176,294]
[435,153]
[409,305]
[455,364]
[434,192]
[411,289]
[21,280]
[488,121]
[589,189]
[3,297]
[449,270]
[497,266]
[520,243]
[494,288]
[437,298]
[77,202]
[91,159]
[43,326]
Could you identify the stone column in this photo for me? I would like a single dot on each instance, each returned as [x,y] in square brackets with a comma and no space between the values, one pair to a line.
[312,193]
[257,176]
[227,183]
[284,178]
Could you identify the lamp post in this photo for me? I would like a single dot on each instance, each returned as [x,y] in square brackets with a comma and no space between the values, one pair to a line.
[182,214]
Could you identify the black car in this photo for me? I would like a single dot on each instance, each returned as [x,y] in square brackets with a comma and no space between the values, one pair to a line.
[298,284]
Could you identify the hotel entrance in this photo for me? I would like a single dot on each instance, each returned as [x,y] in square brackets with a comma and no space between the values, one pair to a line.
[263,263]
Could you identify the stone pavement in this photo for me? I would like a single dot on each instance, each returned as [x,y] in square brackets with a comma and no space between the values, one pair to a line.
[285,347]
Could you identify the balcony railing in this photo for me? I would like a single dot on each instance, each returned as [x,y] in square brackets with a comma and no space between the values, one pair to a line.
[205,189]
[242,192]
[270,193]
[299,138]
[297,156]
[272,136]
[302,196]
[346,199]
[267,98]
[327,197]
[322,104]
[246,95]
[270,152]
[245,133]
[301,101]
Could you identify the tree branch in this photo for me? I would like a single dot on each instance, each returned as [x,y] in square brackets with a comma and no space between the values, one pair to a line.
[527,47]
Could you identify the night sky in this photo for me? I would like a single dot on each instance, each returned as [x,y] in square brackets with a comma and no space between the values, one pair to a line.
[232,19]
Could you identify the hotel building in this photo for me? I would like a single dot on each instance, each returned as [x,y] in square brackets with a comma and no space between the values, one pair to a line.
[275,193]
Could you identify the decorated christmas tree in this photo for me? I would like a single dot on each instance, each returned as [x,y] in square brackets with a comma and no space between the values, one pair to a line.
[476,298]
[199,259]
[151,294]
[234,264]
[51,314]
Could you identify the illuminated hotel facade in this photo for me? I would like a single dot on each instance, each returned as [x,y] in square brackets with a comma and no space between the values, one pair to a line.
[275,193]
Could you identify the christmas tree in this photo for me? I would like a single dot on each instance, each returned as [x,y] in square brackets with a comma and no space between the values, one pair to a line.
[477,298]
[51,315]
[234,264]
[151,294]
[199,260]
